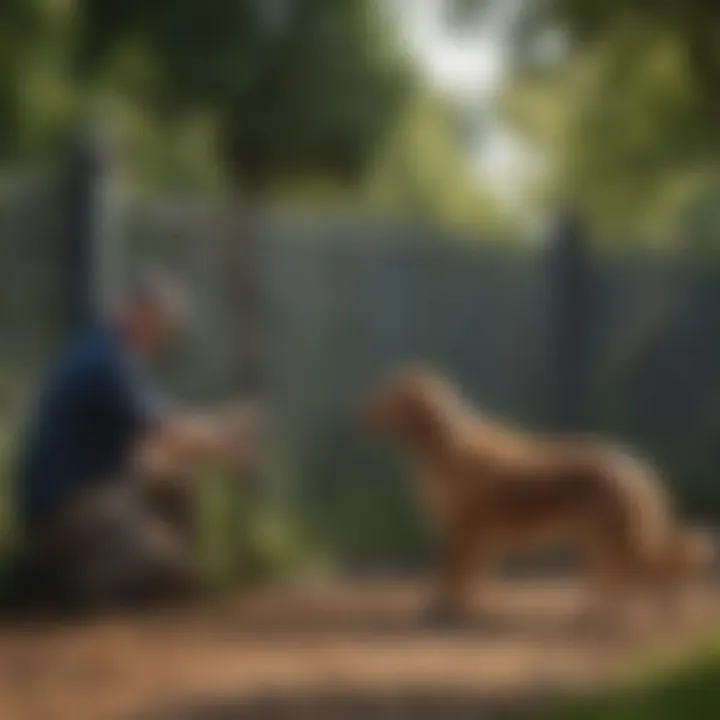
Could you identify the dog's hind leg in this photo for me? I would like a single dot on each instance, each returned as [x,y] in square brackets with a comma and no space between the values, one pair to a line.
[677,581]
[614,589]
[668,591]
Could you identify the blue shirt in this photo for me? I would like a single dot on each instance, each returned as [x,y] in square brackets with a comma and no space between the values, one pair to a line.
[93,408]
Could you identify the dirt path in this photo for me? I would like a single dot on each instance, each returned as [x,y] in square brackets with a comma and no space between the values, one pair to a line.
[347,651]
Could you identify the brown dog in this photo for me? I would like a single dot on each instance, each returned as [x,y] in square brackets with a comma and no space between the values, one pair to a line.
[491,490]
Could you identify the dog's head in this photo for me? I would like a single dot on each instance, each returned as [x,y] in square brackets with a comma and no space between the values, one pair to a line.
[414,407]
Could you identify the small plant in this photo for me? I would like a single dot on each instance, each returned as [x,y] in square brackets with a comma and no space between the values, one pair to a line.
[247,537]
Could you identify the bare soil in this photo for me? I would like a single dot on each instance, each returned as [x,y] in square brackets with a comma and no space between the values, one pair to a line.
[344,650]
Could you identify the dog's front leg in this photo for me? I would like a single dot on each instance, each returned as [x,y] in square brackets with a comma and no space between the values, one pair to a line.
[453,595]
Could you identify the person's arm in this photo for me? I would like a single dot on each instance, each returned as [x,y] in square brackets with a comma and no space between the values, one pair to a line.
[177,441]
[167,442]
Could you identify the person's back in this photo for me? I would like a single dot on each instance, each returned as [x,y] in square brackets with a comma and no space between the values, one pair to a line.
[84,426]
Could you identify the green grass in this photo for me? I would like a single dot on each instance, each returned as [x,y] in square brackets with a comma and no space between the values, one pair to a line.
[683,689]
[245,538]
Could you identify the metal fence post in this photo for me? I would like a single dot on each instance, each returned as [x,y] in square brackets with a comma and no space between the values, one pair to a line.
[247,375]
[571,279]
[85,232]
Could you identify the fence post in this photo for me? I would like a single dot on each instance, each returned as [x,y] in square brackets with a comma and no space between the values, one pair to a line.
[570,276]
[85,227]
[247,375]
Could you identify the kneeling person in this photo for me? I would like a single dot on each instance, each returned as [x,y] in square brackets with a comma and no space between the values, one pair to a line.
[91,519]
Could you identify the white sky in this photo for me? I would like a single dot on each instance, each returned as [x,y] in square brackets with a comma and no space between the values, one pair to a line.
[469,67]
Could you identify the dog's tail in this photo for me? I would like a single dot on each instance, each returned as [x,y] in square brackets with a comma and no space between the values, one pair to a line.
[646,507]
[670,551]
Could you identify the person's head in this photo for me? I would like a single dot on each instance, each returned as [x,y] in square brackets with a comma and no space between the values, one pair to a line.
[150,313]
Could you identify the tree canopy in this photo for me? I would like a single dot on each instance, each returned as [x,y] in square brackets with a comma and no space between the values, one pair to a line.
[624,111]
[309,90]
[266,95]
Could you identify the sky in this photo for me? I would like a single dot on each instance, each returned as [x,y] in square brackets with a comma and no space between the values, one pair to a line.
[470,67]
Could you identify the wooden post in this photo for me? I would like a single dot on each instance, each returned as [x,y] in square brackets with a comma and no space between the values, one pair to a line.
[571,279]
[85,228]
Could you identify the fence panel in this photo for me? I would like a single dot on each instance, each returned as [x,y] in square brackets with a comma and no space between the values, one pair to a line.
[656,380]
[346,300]
[33,282]
[354,303]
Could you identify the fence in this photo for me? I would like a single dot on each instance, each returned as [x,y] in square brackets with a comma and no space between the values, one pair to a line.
[554,336]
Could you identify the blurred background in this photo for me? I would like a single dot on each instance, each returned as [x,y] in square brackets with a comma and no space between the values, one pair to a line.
[524,192]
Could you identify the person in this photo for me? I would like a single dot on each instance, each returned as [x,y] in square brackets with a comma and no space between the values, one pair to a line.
[100,504]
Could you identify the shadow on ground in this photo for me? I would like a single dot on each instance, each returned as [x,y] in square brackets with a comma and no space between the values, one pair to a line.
[410,621]
[358,706]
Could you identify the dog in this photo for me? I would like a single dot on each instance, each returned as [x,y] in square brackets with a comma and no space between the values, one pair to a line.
[491,490]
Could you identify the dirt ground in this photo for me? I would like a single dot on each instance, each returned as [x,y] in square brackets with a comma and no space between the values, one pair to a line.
[350,650]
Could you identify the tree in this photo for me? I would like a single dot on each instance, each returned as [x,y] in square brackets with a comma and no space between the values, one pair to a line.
[35,103]
[422,171]
[624,131]
[314,100]
[626,113]
[313,93]
[694,24]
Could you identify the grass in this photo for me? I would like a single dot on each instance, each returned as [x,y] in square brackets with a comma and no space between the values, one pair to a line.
[245,538]
[682,689]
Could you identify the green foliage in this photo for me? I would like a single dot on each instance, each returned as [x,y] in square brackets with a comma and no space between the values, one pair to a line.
[312,94]
[625,132]
[357,503]
[625,113]
[685,689]
[36,103]
[314,100]
[422,169]
[248,539]
[695,25]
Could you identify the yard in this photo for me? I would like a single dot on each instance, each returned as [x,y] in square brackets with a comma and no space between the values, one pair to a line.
[341,650]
